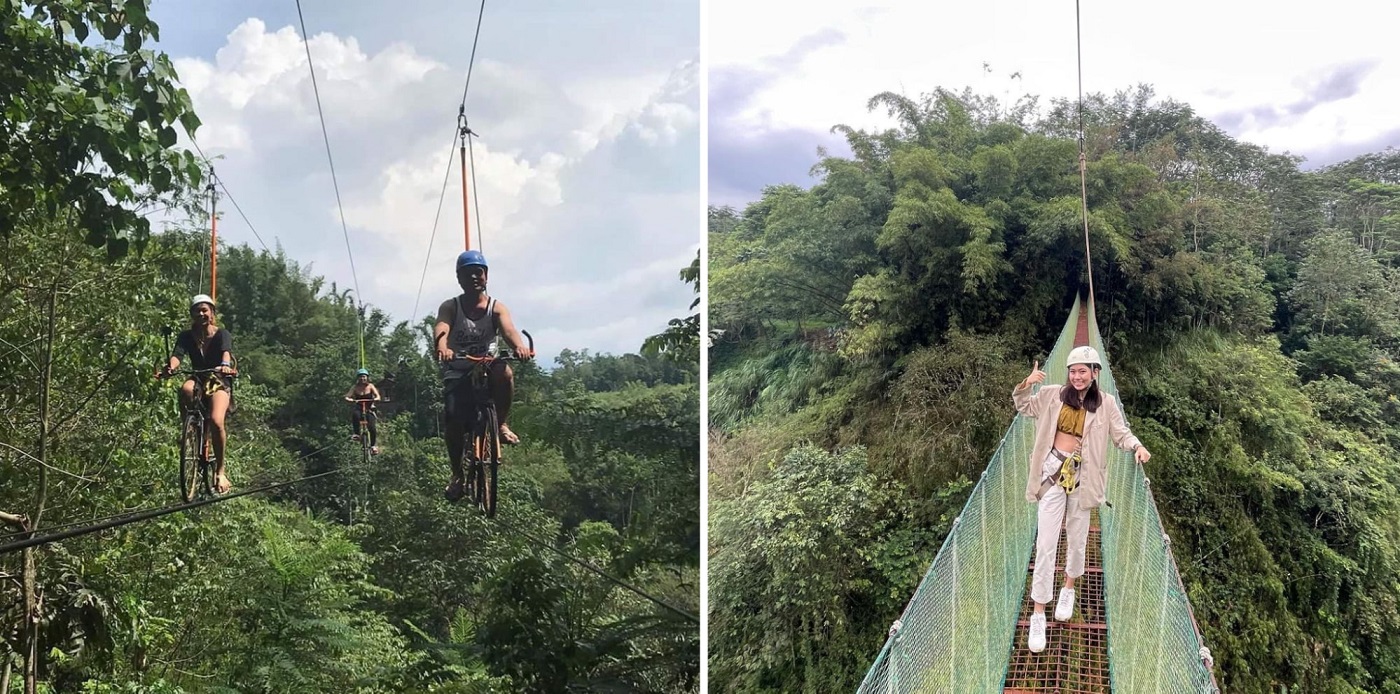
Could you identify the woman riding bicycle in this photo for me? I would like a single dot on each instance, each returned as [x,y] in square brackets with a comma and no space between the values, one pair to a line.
[364,390]
[469,324]
[209,347]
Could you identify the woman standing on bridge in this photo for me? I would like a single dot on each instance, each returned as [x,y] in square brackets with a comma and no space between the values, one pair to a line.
[1067,469]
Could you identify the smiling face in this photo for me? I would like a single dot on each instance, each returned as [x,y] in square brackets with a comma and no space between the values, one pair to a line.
[1080,376]
[362,379]
[201,314]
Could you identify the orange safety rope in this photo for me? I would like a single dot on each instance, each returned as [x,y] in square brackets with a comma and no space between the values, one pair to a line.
[213,240]
[466,209]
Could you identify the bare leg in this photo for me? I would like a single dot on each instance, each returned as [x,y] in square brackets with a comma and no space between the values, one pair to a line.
[186,398]
[503,392]
[218,408]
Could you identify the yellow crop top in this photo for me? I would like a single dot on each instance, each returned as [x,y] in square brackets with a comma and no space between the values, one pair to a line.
[1071,421]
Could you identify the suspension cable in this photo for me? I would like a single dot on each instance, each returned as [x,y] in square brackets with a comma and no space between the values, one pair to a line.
[47,537]
[213,236]
[472,60]
[100,519]
[471,157]
[466,207]
[228,194]
[447,174]
[617,581]
[325,135]
[1083,184]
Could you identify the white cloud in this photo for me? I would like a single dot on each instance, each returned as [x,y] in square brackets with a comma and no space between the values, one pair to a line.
[1219,57]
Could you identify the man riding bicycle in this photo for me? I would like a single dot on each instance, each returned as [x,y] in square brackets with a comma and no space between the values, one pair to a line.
[209,347]
[364,390]
[469,324]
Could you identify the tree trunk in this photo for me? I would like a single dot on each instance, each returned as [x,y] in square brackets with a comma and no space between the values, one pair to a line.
[32,609]
[31,624]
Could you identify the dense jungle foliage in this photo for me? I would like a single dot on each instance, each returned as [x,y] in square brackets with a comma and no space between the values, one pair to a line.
[866,334]
[365,580]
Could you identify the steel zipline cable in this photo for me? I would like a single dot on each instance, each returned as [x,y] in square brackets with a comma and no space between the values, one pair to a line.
[457,132]
[612,579]
[79,528]
[43,538]
[325,135]
[229,195]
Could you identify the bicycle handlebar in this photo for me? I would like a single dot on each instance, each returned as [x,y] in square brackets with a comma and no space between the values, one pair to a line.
[461,361]
[231,373]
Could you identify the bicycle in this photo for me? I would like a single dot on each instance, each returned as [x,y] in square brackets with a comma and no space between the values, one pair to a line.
[482,447]
[365,411]
[196,466]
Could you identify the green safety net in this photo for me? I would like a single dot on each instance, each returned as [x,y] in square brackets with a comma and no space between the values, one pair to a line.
[1154,644]
[957,631]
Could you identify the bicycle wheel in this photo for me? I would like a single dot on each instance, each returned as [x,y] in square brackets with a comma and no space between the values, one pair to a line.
[490,462]
[476,475]
[364,443]
[191,448]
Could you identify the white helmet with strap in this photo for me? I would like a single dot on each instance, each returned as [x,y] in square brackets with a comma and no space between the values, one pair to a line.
[202,299]
[1084,355]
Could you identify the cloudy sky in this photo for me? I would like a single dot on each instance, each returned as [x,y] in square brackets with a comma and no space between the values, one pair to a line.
[587,161]
[1322,82]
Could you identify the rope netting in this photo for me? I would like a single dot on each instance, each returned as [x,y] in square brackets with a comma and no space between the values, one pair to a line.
[955,633]
[1153,641]
[958,630]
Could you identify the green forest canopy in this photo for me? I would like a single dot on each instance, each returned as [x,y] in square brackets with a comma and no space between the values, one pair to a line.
[866,333]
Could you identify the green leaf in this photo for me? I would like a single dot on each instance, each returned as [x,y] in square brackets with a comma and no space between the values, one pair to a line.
[190,121]
[168,137]
[136,14]
[160,178]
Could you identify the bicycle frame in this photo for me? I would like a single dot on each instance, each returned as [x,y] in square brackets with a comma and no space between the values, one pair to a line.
[481,447]
[196,417]
[364,411]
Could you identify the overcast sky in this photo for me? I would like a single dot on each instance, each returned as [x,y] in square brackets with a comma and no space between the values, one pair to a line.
[587,164]
[1320,81]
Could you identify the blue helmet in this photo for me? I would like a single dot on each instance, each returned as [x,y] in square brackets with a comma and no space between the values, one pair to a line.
[471,258]
[362,372]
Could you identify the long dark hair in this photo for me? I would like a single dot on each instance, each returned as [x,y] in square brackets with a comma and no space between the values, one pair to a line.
[1091,400]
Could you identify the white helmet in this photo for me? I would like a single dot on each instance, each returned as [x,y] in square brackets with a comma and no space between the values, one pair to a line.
[202,299]
[1084,355]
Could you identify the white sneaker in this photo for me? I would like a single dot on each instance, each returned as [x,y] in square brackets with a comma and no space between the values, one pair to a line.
[1037,640]
[1065,607]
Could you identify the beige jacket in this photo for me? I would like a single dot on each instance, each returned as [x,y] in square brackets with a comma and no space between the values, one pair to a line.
[1098,426]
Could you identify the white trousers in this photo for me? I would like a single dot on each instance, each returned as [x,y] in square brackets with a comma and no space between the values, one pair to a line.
[1051,512]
